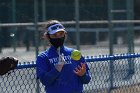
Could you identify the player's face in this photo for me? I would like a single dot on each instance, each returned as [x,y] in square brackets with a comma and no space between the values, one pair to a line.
[58,34]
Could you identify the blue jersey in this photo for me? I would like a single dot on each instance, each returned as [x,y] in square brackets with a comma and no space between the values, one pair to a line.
[65,81]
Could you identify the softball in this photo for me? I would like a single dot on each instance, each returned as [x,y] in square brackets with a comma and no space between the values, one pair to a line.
[76,55]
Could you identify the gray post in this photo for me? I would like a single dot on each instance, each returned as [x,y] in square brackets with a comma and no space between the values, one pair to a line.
[44,19]
[36,26]
[36,35]
[0,41]
[130,16]
[77,24]
[14,28]
[110,17]
[43,10]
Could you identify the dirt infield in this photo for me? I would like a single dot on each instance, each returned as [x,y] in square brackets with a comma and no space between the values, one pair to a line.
[87,50]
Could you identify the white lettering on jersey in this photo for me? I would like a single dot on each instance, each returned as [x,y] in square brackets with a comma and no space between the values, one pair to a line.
[55,60]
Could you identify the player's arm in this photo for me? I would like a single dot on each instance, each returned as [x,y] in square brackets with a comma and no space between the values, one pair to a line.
[46,75]
[83,72]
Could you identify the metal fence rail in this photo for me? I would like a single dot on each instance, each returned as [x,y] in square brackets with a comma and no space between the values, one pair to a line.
[106,78]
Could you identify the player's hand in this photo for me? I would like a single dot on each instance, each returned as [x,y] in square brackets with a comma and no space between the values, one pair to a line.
[60,64]
[80,70]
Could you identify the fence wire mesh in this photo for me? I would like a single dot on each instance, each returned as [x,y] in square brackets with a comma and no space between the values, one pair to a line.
[23,79]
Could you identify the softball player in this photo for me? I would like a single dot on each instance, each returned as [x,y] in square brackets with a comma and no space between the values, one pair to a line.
[57,71]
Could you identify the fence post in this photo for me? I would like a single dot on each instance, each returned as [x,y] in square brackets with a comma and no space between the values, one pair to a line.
[111,68]
[36,36]
[130,35]
[0,40]
[14,28]
[44,19]
[110,17]
[77,24]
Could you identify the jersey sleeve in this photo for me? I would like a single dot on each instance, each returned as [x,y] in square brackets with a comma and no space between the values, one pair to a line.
[46,75]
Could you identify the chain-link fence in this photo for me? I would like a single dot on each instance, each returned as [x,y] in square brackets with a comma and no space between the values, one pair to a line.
[110,74]
[19,19]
